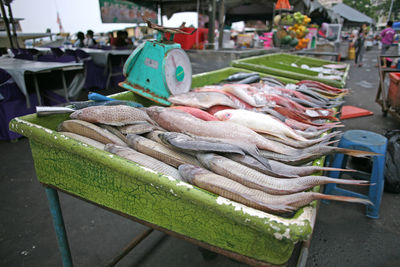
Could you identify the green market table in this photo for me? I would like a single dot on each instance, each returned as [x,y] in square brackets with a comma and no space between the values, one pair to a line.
[158,201]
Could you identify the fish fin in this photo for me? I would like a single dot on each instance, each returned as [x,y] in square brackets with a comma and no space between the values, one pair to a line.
[355,153]
[330,169]
[345,199]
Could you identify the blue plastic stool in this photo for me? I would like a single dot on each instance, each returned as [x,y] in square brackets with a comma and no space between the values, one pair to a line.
[366,141]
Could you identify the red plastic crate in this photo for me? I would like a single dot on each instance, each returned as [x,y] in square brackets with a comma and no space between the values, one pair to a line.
[394,90]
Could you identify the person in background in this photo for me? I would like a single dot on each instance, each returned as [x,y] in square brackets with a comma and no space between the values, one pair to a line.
[387,36]
[359,44]
[120,41]
[89,41]
[80,39]
[111,38]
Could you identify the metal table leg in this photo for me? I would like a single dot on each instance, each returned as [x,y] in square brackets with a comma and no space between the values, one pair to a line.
[37,89]
[64,86]
[58,221]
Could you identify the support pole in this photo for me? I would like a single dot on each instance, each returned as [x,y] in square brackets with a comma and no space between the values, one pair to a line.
[12,24]
[221,19]
[59,226]
[7,22]
[211,24]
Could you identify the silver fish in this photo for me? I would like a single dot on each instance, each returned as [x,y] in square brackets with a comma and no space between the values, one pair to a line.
[160,152]
[189,144]
[257,180]
[279,169]
[254,198]
[144,160]
[91,131]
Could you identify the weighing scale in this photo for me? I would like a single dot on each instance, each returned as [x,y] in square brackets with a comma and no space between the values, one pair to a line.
[159,68]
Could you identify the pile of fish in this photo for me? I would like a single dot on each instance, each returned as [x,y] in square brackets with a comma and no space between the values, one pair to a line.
[241,151]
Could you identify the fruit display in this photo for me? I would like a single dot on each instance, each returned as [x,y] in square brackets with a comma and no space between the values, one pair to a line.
[296,28]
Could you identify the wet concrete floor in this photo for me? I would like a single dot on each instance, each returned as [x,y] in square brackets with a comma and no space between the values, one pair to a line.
[343,235]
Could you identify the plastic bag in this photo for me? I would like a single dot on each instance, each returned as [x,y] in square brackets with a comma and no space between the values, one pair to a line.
[392,163]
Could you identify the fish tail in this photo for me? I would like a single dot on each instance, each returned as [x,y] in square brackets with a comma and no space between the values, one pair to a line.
[330,169]
[355,153]
[348,181]
[344,199]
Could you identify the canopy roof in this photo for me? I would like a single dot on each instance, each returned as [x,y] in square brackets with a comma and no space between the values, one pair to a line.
[352,14]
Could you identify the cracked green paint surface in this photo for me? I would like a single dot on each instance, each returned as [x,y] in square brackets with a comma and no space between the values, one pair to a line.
[280,65]
[127,187]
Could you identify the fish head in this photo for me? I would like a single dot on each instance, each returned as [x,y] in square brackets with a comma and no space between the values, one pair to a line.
[206,159]
[133,139]
[75,114]
[154,112]
[224,115]
[189,172]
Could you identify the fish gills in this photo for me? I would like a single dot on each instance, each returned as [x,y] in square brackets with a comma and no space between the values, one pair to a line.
[91,131]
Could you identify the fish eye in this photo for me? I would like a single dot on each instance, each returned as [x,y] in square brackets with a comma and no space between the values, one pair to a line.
[228,115]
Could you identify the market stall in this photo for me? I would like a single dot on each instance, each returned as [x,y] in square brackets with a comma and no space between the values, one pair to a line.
[170,189]
[297,67]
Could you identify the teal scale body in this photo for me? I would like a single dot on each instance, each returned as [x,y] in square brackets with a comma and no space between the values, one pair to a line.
[156,70]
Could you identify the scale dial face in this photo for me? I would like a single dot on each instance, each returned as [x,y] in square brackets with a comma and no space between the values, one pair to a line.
[177,71]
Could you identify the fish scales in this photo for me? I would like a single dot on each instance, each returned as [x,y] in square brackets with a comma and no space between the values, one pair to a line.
[254,179]
[144,160]
[178,121]
[112,115]
[160,152]
[90,130]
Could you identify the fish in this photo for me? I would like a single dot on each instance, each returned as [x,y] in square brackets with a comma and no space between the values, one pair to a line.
[160,152]
[198,113]
[84,139]
[154,135]
[310,133]
[90,130]
[112,115]
[240,75]
[305,144]
[246,93]
[281,170]
[276,204]
[202,100]
[323,86]
[307,155]
[84,104]
[260,181]
[144,160]
[189,144]
[178,121]
[272,81]
[259,122]
[138,128]
[114,130]
[251,79]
